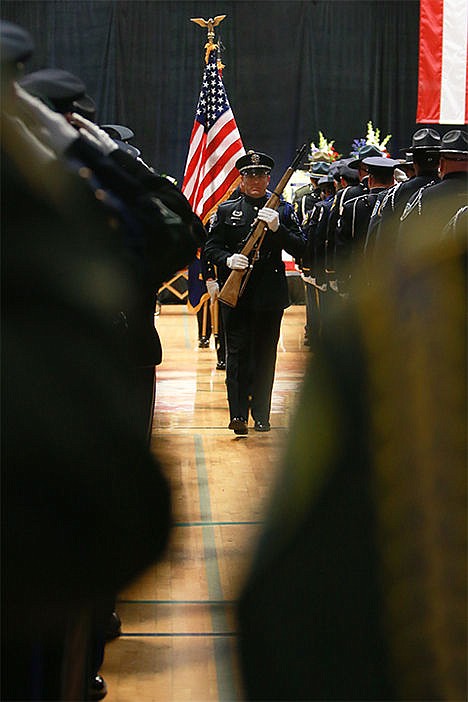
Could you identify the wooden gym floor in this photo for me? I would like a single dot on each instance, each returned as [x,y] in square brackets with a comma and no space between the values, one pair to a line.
[178,638]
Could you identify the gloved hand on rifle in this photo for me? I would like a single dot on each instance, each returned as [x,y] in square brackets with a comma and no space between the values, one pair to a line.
[213,289]
[238,262]
[270,217]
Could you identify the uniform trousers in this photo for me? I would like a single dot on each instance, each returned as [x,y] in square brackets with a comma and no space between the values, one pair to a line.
[313,319]
[251,342]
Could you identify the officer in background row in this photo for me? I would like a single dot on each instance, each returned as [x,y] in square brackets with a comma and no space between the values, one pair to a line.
[316,283]
[252,328]
[433,206]
[424,152]
[351,233]
[308,195]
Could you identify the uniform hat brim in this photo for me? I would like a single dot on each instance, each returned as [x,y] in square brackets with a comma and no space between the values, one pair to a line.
[379,163]
[424,140]
[58,87]
[365,152]
[254,161]
[319,169]
[455,143]
[128,148]
[84,106]
[118,131]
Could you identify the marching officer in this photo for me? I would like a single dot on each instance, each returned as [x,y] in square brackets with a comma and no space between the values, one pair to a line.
[252,327]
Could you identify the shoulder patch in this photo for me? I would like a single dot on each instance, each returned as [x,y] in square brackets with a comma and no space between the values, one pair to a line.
[213,220]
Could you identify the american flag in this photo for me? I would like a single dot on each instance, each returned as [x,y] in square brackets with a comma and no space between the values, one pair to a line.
[443,75]
[215,145]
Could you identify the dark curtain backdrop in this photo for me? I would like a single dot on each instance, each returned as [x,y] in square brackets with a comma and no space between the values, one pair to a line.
[291,68]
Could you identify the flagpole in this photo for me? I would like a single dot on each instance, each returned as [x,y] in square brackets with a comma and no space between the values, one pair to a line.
[209,24]
[210,174]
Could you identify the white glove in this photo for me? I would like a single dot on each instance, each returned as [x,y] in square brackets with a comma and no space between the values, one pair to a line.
[213,289]
[97,136]
[53,129]
[334,286]
[238,262]
[271,217]
[308,279]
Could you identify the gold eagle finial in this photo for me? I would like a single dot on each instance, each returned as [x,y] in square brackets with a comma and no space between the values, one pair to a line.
[210,24]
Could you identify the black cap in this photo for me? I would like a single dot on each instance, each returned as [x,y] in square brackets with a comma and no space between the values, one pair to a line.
[349,174]
[325,180]
[365,152]
[85,106]
[337,166]
[407,162]
[16,44]
[377,163]
[59,88]
[118,131]
[254,162]
[128,148]
[455,142]
[424,140]
[317,169]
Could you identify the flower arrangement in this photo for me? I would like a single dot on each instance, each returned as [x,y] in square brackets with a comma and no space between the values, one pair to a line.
[325,151]
[372,137]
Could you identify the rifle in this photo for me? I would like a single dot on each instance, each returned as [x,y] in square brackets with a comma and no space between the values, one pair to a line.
[237,280]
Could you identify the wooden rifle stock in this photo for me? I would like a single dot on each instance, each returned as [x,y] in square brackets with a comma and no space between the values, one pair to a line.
[235,284]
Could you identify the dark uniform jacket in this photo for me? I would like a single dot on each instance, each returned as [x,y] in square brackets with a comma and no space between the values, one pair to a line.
[162,235]
[336,212]
[351,235]
[267,287]
[392,208]
[431,209]
[316,239]
[304,200]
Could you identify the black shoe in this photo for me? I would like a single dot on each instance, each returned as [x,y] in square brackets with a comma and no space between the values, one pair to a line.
[114,627]
[262,426]
[221,365]
[239,425]
[97,688]
[203,343]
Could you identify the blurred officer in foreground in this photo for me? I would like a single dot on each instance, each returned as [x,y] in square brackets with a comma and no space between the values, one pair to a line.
[73,449]
[252,328]
[162,232]
[357,589]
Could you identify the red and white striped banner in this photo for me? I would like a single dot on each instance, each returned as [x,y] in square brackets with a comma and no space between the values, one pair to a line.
[443,79]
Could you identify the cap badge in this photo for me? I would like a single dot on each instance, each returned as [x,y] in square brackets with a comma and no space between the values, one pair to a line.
[255,158]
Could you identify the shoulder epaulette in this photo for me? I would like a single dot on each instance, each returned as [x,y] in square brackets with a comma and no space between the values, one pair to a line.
[416,201]
[389,198]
